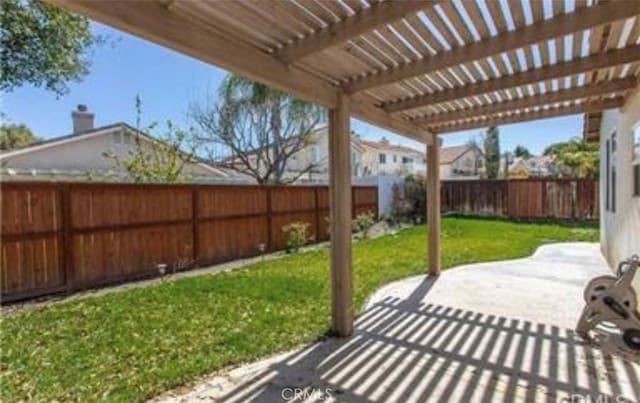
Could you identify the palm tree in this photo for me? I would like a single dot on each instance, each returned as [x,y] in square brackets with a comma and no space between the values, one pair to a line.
[581,157]
[239,92]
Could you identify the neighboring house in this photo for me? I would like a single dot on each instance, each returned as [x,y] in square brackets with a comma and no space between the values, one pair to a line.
[316,155]
[535,166]
[368,158]
[311,163]
[619,136]
[383,158]
[80,155]
[461,162]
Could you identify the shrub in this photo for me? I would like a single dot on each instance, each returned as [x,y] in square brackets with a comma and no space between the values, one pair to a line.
[416,195]
[409,202]
[297,235]
[364,222]
[399,206]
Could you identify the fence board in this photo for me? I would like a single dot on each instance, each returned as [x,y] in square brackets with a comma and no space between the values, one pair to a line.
[228,239]
[112,206]
[289,199]
[31,248]
[72,236]
[560,199]
[566,199]
[231,201]
[588,200]
[485,198]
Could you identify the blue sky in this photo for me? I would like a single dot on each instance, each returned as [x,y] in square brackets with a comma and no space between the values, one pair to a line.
[168,82]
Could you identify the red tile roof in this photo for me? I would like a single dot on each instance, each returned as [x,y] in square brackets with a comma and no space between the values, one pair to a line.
[449,154]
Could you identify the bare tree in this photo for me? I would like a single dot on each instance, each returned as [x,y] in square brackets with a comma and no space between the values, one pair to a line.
[255,130]
[156,157]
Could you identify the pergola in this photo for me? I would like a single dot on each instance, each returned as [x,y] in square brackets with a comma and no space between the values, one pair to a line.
[416,68]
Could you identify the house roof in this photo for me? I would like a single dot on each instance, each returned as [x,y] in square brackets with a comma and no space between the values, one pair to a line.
[99,131]
[449,155]
[41,144]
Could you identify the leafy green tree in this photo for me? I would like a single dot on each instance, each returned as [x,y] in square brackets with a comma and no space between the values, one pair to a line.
[258,128]
[156,158]
[522,152]
[15,136]
[553,148]
[492,152]
[42,45]
[580,157]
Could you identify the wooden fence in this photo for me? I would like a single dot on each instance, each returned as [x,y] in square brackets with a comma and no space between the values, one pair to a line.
[564,199]
[63,237]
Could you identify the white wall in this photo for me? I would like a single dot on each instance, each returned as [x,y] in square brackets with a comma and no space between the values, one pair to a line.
[385,185]
[317,153]
[371,160]
[620,230]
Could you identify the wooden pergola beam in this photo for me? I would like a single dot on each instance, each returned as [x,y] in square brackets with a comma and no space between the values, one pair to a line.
[583,65]
[564,24]
[154,21]
[340,202]
[360,23]
[363,108]
[433,207]
[595,106]
[527,102]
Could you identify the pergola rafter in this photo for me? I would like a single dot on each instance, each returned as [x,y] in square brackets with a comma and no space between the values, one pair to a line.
[587,64]
[157,22]
[526,116]
[339,32]
[564,24]
[463,64]
[590,90]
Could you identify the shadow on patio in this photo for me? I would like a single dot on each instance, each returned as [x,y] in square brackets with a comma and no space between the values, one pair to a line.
[490,332]
[404,352]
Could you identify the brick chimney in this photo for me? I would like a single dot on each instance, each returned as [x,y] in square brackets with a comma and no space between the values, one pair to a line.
[82,119]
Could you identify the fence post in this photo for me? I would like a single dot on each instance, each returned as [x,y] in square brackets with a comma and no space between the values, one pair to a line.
[508,197]
[317,205]
[353,202]
[269,220]
[65,228]
[195,222]
[544,183]
[576,208]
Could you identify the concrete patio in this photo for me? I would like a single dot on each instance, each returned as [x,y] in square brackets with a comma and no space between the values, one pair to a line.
[486,332]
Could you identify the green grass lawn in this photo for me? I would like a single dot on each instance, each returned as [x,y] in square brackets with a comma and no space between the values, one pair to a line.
[134,344]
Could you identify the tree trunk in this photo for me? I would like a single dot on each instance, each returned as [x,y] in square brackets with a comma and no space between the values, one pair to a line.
[276,125]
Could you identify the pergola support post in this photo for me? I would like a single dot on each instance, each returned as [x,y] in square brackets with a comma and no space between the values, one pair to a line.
[340,224]
[433,206]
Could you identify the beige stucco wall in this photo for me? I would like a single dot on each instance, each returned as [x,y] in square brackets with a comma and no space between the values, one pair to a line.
[446,171]
[464,163]
[317,153]
[371,160]
[364,159]
[620,230]
[84,155]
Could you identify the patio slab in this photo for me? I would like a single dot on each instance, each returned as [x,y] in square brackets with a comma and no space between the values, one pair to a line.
[490,332]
